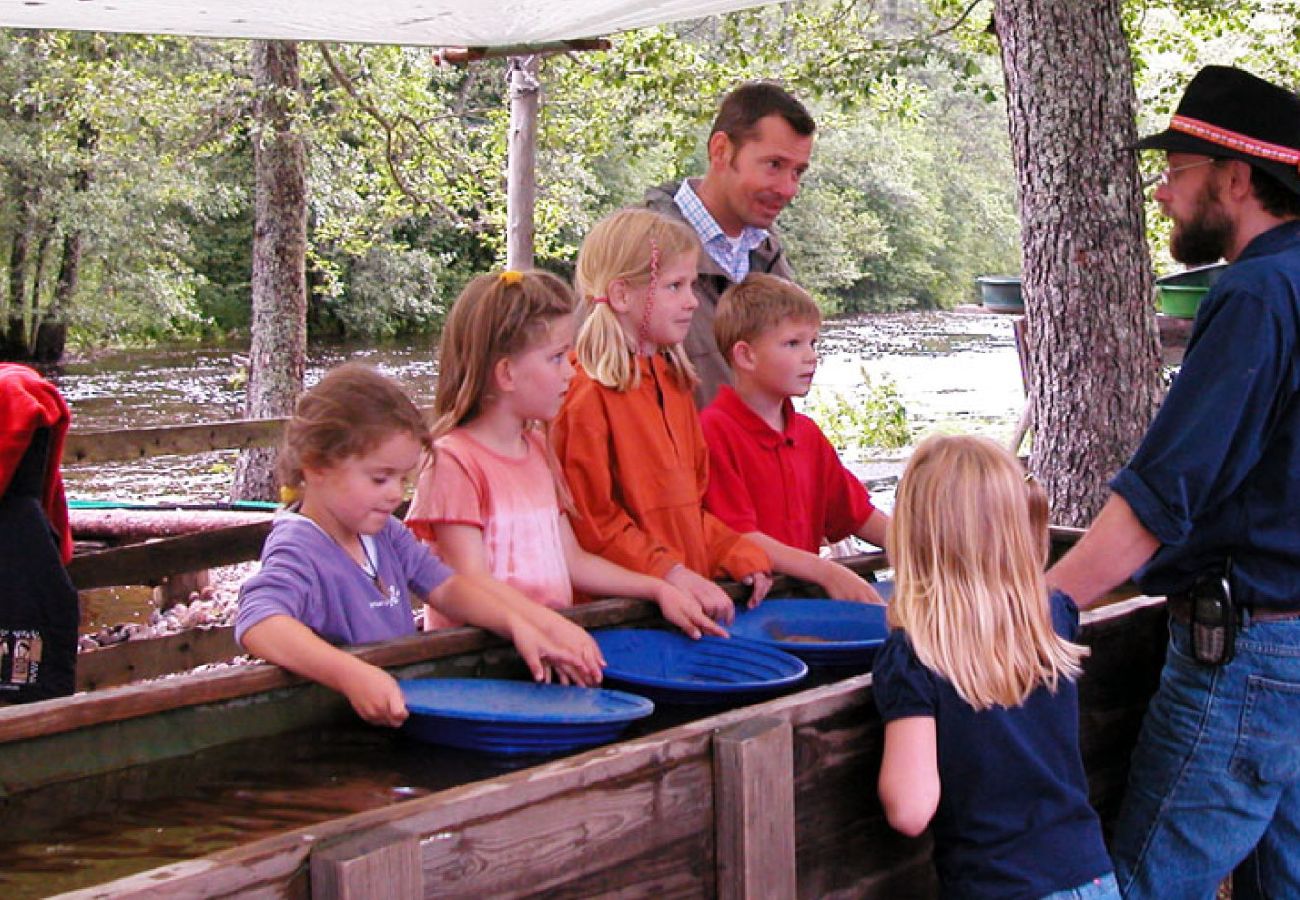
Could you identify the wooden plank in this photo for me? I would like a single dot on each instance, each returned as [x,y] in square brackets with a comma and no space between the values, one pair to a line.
[152,657]
[125,444]
[122,526]
[600,833]
[118,445]
[383,862]
[754,809]
[115,704]
[147,563]
[1128,643]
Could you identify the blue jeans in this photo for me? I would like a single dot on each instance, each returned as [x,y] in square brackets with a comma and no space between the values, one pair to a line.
[1216,772]
[1103,888]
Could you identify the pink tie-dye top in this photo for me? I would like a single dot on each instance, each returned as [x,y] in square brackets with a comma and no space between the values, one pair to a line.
[512,499]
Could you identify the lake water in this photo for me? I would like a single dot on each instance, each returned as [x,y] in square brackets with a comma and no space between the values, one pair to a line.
[953,371]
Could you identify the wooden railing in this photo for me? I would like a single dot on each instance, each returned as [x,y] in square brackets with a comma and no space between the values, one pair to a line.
[120,445]
[150,562]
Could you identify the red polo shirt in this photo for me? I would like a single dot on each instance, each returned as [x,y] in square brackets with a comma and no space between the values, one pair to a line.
[788,484]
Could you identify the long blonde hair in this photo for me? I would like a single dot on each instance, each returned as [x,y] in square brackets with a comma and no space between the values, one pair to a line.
[968,540]
[495,317]
[631,245]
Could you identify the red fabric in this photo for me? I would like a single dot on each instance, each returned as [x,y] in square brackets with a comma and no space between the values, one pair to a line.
[789,485]
[29,402]
[637,466]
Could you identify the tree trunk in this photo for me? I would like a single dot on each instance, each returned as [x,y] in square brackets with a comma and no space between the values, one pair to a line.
[52,333]
[15,333]
[1094,361]
[279,323]
[37,285]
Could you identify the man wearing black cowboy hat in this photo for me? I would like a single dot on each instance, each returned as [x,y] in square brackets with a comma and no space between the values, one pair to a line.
[1208,512]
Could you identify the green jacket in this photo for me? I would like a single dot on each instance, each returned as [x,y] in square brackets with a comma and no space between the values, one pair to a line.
[700,344]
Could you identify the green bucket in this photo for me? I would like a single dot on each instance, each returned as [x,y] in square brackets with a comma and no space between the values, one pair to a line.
[1181,300]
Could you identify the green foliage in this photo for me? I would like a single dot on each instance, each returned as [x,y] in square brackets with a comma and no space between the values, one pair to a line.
[389,290]
[109,139]
[871,417]
[910,195]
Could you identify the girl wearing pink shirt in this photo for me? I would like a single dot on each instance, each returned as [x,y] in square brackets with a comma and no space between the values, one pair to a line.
[494,502]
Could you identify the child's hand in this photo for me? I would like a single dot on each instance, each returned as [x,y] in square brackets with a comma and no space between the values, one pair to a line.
[555,646]
[842,583]
[760,583]
[711,598]
[686,612]
[375,696]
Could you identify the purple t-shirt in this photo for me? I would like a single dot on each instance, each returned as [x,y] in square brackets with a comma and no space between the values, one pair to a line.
[309,577]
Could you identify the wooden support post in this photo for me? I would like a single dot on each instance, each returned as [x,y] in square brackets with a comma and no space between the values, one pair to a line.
[521,178]
[382,862]
[1020,329]
[753,791]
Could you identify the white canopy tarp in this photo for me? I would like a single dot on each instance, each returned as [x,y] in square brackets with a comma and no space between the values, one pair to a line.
[434,23]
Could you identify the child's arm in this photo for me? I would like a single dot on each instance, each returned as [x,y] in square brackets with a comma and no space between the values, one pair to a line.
[909,774]
[839,582]
[544,638]
[593,575]
[285,641]
[874,529]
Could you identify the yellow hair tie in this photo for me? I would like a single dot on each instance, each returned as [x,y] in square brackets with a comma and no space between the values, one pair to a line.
[290,494]
[510,276]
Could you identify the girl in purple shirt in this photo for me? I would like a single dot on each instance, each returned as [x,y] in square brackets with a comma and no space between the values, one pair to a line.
[339,569]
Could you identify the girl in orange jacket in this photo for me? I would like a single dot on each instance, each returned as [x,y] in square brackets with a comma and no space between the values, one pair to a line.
[628,435]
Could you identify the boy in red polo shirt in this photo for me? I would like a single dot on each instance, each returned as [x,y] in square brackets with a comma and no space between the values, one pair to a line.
[773,475]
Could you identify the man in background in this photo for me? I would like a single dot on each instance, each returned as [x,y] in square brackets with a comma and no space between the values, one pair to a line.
[759,149]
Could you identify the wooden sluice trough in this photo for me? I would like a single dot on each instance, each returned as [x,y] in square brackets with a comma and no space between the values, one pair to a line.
[771,800]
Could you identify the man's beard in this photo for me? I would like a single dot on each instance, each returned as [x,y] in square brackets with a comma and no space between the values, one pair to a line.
[1207,236]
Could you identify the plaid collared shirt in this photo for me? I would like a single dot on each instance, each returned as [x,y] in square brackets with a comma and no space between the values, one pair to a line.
[733,258]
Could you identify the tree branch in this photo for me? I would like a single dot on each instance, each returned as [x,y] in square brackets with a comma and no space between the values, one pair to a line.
[392,154]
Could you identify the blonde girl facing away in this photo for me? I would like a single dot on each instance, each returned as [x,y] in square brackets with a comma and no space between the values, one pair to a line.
[976,684]
[628,436]
[339,569]
[494,501]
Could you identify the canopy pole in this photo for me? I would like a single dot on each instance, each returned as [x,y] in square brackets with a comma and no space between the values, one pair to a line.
[521,180]
[459,56]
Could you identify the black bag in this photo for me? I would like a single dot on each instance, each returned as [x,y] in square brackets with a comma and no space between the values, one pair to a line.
[39,614]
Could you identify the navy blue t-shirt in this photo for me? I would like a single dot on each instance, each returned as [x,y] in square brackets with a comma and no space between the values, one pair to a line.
[1215,475]
[1013,818]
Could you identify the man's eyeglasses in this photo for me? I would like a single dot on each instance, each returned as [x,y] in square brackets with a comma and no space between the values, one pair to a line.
[1162,177]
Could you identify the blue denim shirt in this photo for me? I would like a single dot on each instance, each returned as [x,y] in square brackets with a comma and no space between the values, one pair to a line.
[1217,475]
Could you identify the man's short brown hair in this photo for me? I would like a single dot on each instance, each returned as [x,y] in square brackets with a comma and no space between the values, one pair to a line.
[741,110]
[758,304]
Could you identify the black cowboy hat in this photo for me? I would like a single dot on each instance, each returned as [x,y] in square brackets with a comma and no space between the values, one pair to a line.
[1230,114]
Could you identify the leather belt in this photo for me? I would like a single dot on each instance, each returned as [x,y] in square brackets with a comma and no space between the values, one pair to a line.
[1180,610]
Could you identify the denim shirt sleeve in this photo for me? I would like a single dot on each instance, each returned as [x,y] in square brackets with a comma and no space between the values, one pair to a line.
[1214,424]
